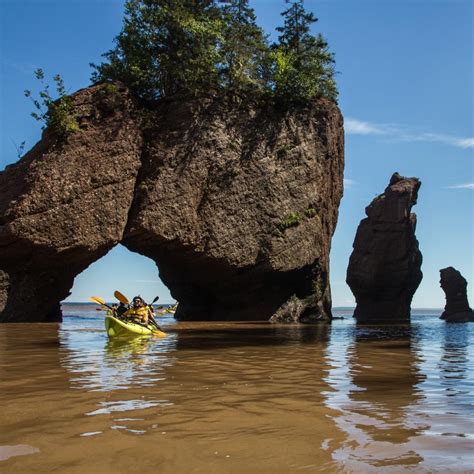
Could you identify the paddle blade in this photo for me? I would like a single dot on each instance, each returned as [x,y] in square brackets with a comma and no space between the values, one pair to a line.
[97,299]
[121,297]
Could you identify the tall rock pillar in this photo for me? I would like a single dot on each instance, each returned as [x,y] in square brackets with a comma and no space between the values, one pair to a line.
[384,268]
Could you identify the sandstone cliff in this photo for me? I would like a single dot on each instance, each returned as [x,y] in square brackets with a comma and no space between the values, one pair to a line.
[235,204]
[454,286]
[385,266]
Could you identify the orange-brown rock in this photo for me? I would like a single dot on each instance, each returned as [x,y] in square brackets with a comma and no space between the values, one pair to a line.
[385,266]
[236,204]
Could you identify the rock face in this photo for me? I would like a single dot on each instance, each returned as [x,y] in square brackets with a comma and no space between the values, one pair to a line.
[384,268]
[4,286]
[454,286]
[65,205]
[235,204]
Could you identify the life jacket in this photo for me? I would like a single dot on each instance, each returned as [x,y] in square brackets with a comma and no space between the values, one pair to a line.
[137,313]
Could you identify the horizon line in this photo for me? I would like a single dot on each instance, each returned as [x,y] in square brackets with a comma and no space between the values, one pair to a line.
[334,307]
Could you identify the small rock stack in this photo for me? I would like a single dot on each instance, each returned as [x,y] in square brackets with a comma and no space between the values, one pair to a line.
[455,287]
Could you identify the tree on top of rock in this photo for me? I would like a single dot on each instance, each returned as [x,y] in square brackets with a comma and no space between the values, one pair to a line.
[195,47]
[243,48]
[165,47]
[303,64]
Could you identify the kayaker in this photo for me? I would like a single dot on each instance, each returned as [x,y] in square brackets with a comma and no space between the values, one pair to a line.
[139,311]
[112,310]
[121,310]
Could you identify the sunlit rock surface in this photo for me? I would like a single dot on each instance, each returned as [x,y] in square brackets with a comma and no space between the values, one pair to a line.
[385,266]
[236,204]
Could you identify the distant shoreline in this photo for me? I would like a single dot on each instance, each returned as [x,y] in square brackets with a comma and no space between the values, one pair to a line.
[338,308]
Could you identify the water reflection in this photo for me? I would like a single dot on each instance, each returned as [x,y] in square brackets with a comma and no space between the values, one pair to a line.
[96,363]
[26,358]
[453,365]
[202,336]
[382,389]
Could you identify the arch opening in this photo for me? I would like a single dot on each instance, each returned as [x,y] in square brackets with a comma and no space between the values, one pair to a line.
[123,270]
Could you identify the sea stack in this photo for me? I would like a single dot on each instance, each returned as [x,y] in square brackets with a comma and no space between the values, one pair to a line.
[385,266]
[236,205]
[454,286]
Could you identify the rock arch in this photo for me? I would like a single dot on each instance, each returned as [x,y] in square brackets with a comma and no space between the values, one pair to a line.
[236,204]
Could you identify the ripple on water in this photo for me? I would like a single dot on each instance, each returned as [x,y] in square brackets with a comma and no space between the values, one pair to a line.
[127,405]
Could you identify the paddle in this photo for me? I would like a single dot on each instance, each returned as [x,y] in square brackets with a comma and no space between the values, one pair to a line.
[99,300]
[121,297]
[151,316]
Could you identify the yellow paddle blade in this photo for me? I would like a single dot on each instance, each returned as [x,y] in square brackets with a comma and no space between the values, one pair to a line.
[122,298]
[97,299]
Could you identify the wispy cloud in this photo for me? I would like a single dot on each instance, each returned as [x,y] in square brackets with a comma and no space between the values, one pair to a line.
[466,142]
[462,186]
[358,127]
[348,183]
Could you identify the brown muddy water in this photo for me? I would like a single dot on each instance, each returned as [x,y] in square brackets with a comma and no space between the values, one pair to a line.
[237,398]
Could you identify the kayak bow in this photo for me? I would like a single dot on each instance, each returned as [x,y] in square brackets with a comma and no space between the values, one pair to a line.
[116,327]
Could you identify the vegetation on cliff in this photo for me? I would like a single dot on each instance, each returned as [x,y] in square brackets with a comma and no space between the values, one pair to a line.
[186,46]
[302,66]
[54,113]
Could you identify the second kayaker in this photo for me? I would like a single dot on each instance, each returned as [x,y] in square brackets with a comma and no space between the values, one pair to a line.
[139,311]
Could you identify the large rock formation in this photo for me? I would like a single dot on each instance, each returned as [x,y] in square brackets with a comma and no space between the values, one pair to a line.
[384,268]
[235,204]
[454,286]
[65,204]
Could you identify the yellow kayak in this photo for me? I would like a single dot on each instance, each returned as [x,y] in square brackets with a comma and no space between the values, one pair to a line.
[116,327]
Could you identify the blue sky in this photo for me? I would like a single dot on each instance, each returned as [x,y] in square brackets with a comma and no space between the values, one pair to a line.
[405,91]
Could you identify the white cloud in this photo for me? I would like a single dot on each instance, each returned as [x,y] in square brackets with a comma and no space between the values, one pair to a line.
[465,142]
[358,127]
[462,186]
[348,183]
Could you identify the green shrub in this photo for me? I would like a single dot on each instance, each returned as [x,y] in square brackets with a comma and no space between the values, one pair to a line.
[291,220]
[310,212]
[55,113]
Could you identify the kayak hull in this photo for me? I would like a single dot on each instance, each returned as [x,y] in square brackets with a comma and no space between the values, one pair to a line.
[118,328]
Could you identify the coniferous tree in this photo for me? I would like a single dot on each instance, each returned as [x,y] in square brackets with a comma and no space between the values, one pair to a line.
[303,65]
[194,46]
[165,47]
[243,48]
